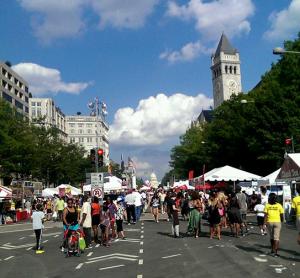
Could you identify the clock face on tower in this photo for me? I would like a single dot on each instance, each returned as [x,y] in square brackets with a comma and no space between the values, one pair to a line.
[233,87]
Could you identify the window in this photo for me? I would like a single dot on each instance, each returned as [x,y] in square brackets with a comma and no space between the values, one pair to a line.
[81,140]
[38,104]
[71,125]
[26,89]
[4,71]
[72,140]
[89,139]
[33,112]
[39,112]
[230,69]
[80,125]
[7,97]
[26,109]
[26,99]
[234,70]
[226,69]
[33,103]
[89,131]
[89,125]
[18,104]
[80,131]
[72,130]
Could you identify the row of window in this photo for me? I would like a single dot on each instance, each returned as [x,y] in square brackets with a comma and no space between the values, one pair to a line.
[228,70]
[36,112]
[84,140]
[33,103]
[81,125]
[18,104]
[9,76]
[17,93]
[81,131]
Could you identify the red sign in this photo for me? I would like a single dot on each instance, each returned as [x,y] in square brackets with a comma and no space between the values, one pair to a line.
[97,191]
[288,141]
[191,175]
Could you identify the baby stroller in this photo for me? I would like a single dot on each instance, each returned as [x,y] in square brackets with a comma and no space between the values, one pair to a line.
[71,238]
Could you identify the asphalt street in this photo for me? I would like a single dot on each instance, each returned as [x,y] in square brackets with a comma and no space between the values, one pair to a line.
[149,251]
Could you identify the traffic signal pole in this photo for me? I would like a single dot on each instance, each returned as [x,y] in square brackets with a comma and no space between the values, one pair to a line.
[96,161]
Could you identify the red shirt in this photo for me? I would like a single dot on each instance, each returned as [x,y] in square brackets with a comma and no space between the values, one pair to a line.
[95,209]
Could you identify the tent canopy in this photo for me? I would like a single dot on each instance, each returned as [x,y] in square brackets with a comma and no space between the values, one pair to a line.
[5,192]
[114,183]
[290,169]
[228,173]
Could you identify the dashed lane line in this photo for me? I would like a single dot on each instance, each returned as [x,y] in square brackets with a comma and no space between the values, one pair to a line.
[141,251]
[79,266]
[142,232]
[29,248]
[171,256]
[21,237]
[8,258]
[45,241]
[110,267]
[141,261]
[141,243]
[139,276]
[97,245]
[142,236]
[89,254]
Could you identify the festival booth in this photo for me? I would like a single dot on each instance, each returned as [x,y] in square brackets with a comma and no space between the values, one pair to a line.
[113,184]
[5,192]
[226,174]
[290,173]
[182,185]
[61,190]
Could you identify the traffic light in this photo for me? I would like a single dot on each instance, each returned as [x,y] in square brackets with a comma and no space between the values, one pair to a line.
[100,157]
[93,156]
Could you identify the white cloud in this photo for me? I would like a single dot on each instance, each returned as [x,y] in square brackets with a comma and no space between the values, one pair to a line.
[213,17]
[141,165]
[123,13]
[55,19]
[44,80]
[188,52]
[156,119]
[286,23]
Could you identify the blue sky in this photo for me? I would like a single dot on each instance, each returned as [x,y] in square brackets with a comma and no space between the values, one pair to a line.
[147,59]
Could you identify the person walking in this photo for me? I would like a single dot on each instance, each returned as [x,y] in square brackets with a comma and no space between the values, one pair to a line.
[60,206]
[130,207]
[137,204]
[242,201]
[162,197]
[175,209]
[119,218]
[234,216]
[260,215]
[214,218]
[86,220]
[196,213]
[154,204]
[96,210]
[273,217]
[296,210]
[38,218]
[112,215]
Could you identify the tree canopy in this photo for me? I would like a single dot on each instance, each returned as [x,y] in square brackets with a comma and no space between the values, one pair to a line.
[248,135]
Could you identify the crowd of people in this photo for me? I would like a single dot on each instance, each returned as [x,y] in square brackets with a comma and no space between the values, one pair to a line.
[102,222]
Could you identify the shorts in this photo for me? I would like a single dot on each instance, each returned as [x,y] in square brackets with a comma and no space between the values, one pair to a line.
[119,225]
[49,211]
[274,230]
[103,228]
[298,223]
[244,216]
[260,220]
[95,220]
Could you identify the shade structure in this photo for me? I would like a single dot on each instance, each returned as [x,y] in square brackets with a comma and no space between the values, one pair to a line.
[114,183]
[206,186]
[74,191]
[145,188]
[271,178]
[5,192]
[49,192]
[228,173]
[290,169]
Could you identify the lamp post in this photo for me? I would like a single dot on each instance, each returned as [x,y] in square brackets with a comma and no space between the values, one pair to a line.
[280,51]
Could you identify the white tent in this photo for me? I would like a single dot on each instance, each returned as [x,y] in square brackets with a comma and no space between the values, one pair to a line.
[74,191]
[113,183]
[228,173]
[271,178]
[49,192]
[5,192]
[290,169]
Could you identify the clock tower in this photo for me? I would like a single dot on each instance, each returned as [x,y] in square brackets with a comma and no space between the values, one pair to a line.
[226,72]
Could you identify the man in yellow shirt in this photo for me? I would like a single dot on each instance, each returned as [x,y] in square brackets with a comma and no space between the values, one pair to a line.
[273,218]
[296,210]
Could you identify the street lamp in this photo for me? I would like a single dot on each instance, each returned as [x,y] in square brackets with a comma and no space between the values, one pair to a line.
[280,51]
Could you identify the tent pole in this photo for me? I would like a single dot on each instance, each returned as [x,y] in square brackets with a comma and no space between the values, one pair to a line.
[234,186]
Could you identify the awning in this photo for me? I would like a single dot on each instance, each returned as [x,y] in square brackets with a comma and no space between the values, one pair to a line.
[290,169]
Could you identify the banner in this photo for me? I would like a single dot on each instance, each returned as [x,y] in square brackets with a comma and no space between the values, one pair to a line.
[191,174]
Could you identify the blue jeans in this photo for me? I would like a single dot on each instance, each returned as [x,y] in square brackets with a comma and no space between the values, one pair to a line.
[137,212]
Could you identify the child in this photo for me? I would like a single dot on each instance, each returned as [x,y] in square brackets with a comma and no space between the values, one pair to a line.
[259,209]
[37,225]
[120,218]
[105,226]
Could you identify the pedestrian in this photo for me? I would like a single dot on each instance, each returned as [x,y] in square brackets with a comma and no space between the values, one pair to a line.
[137,204]
[273,217]
[28,207]
[234,216]
[119,218]
[112,215]
[154,204]
[105,226]
[260,216]
[242,201]
[86,221]
[130,207]
[185,209]
[38,218]
[168,201]
[196,213]
[96,209]
[296,210]
[60,205]
[162,196]
[49,209]
[214,218]
[175,209]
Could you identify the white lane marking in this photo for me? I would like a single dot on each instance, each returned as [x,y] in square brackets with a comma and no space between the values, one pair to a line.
[141,251]
[97,245]
[142,236]
[111,258]
[79,266]
[141,243]
[21,237]
[45,240]
[279,270]
[89,254]
[8,258]
[262,255]
[109,267]
[111,255]
[260,260]
[276,265]
[14,231]
[141,261]
[29,248]
[139,276]
[56,236]
[8,243]
[142,223]
[142,232]
[171,256]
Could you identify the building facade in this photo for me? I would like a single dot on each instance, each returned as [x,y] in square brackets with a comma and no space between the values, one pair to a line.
[44,109]
[226,72]
[91,132]
[14,89]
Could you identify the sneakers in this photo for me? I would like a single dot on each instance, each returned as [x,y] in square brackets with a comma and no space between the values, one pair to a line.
[39,251]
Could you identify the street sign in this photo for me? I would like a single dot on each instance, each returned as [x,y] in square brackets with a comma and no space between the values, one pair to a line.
[97,191]
[97,178]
